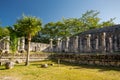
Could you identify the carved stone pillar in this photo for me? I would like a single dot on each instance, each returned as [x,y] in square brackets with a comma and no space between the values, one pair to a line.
[80,44]
[115,43]
[4,44]
[88,45]
[76,44]
[84,42]
[110,44]
[103,42]
[67,44]
[23,44]
[51,45]
[96,43]
[119,42]
[58,45]
[7,43]
[18,44]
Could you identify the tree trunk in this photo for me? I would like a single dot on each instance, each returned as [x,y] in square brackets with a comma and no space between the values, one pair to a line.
[28,51]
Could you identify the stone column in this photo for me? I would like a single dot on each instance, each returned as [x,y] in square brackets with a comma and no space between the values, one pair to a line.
[4,43]
[51,45]
[18,44]
[80,45]
[76,44]
[115,43]
[61,45]
[23,44]
[7,43]
[110,44]
[103,43]
[67,44]
[88,45]
[84,42]
[96,43]
[58,45]
[119,41]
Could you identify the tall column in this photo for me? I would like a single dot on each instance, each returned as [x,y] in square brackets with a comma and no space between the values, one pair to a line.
[58,45]
[4,44]
[23,44]
[119,41]
[61,45]
[80,45]
[115,43]
[96,43]
[18,44]
[76,44]
[7,43]
[51,45]
[103,43]
[84,42]
[67,44]
[110,44]
[88,45]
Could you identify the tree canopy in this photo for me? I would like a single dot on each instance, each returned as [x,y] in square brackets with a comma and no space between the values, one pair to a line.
[71,26]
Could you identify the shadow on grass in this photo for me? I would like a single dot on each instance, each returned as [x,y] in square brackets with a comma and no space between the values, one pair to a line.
[3,69]
[80,66]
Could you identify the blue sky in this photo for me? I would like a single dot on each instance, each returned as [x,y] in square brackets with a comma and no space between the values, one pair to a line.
[54,10]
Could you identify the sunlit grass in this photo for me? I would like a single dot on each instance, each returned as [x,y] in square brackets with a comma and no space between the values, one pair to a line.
[63,72]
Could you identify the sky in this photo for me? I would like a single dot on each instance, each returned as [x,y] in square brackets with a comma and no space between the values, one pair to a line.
[55,10]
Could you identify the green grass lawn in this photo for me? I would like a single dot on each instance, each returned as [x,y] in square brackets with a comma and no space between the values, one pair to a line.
[63,72]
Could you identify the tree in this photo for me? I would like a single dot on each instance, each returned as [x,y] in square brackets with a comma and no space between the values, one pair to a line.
[4,32]
[91,20]
[72,26]
[13,39]
[29,27]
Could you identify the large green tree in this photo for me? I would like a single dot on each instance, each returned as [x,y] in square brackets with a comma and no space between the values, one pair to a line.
[13,39]
[72,26]
[28,26]
[4,32]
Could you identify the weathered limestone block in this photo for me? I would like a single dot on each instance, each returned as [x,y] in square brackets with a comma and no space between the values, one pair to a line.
[44,65]
[9,65]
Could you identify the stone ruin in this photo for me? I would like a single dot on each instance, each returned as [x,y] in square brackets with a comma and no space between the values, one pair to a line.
[103,40]
[35,47]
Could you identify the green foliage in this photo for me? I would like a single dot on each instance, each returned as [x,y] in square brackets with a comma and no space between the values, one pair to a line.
[13,39]
[4,32]
[72,26]
[14,43]
[28,25]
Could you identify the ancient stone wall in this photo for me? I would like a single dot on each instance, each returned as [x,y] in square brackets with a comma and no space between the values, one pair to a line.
[90,59]
[37,47]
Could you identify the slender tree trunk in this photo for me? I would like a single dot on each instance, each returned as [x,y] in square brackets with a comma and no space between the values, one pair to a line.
[28,51]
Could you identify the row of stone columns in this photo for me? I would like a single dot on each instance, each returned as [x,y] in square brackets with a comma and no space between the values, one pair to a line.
[103,42]
[6,44]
